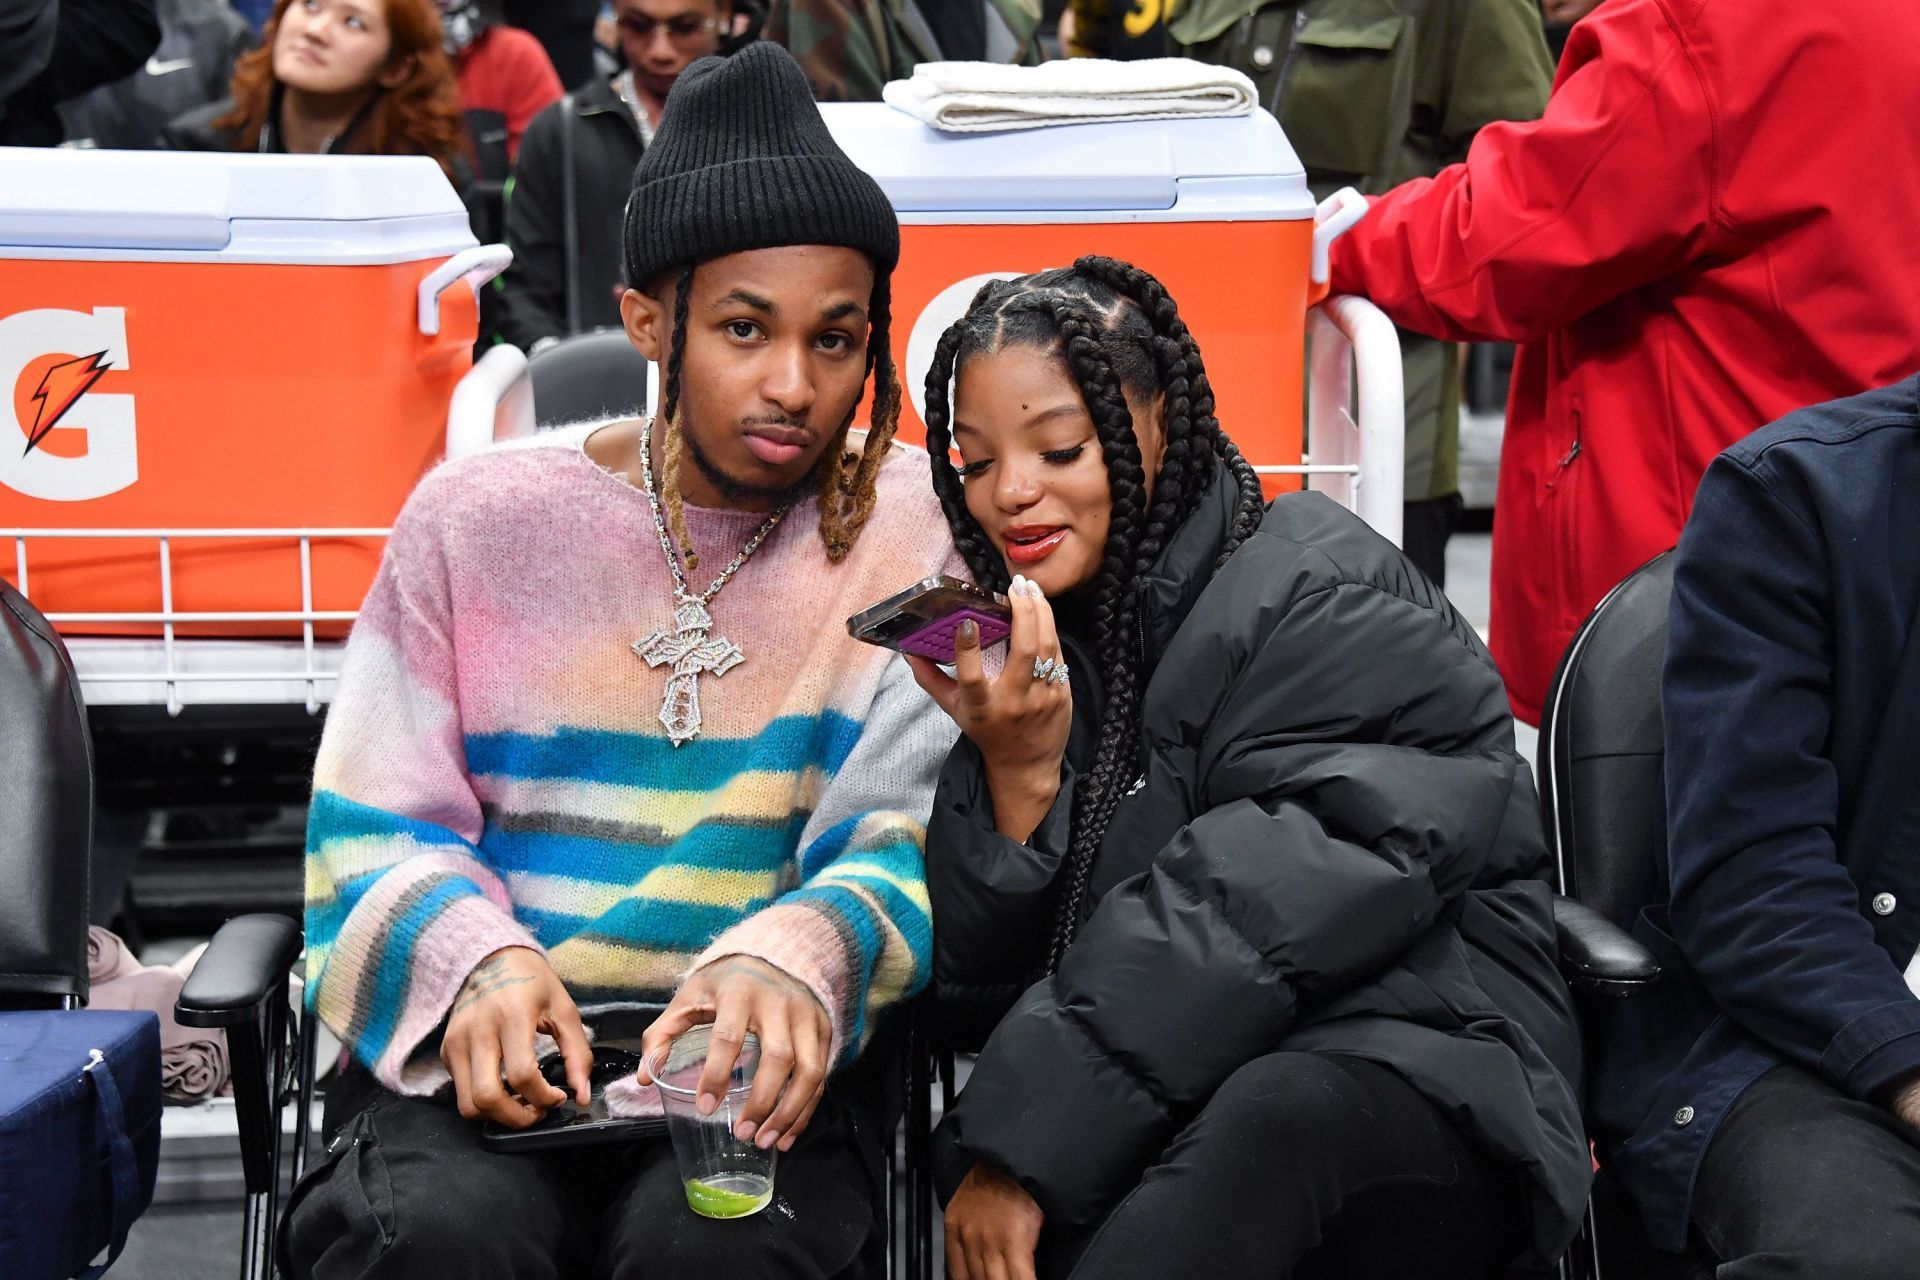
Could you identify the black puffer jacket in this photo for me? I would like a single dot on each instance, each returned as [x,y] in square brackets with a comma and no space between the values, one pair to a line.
[1333,848]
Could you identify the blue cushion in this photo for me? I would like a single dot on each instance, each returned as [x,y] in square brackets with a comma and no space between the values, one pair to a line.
[69,1184]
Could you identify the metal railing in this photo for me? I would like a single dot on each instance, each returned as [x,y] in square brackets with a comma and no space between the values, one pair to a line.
[1356,413]
[227,670]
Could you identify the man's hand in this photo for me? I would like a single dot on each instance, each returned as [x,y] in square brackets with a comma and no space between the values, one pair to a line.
[508,999]
[993,1228]
[738,994]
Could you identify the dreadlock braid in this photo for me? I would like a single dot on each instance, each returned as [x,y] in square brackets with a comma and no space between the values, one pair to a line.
[851,487]
[670,495]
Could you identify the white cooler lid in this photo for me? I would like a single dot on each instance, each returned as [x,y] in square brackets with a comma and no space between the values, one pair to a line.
[208,206]
[1231,168]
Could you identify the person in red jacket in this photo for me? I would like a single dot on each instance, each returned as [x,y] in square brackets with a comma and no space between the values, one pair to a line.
[502,69]
[1716,222]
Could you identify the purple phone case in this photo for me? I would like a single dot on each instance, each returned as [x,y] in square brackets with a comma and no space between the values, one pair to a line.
[935,639]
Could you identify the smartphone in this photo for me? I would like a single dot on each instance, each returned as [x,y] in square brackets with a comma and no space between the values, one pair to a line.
[923,619]
[616,1055]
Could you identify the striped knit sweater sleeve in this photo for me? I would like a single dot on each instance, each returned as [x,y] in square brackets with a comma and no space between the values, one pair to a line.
[859,930]
[401,905]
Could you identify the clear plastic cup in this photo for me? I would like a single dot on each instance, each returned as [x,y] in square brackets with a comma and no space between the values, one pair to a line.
[724,1177]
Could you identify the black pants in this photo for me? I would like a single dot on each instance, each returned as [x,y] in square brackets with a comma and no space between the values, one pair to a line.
[407,1190]
[1425,528]
[1803,1180]
[1307,1165]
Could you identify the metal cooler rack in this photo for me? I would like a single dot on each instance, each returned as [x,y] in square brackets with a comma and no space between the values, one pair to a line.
[160,670]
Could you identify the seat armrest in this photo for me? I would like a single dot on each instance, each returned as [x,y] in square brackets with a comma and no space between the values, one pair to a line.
[246,961]
[1598,956]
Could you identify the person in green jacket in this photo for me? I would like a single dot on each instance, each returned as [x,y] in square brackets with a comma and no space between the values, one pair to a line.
[1372,93]
[849,49]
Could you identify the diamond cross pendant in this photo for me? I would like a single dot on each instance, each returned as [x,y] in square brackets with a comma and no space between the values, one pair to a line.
[691,653]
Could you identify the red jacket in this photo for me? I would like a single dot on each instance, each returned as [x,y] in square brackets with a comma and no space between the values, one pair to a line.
[1717,221]
[507,70]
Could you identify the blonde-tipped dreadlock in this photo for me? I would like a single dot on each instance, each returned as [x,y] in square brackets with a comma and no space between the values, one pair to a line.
[849,488]
[672,498]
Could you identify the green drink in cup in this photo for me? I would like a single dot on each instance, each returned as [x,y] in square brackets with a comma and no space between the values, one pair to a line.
[724,1177]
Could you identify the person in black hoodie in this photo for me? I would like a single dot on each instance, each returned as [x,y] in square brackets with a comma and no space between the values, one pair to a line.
[1235,861]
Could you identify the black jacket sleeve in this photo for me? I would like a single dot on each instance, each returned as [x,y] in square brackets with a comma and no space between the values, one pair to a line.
[1765,912]
[26,42]
[992,897]
[99,42]
[1323,849]
[533,297]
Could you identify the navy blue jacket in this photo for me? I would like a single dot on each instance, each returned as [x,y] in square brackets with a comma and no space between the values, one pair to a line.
[1792,707]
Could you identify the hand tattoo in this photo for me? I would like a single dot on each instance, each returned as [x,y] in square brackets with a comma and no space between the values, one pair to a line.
[489,977]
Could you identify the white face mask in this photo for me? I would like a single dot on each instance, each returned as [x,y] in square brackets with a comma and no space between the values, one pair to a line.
[460,24]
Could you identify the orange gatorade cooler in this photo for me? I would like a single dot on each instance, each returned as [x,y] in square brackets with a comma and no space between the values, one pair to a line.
[195,343]
[1218,209]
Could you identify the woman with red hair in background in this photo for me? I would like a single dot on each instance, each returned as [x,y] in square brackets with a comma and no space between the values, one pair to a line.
[354,77]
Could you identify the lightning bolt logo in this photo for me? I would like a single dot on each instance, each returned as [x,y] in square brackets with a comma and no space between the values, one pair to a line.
[60,390]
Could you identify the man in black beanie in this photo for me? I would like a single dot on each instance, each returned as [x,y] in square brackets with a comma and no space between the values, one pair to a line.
[602,741]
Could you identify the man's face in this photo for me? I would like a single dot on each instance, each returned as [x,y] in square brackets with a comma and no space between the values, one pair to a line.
[776,356]
[662,37]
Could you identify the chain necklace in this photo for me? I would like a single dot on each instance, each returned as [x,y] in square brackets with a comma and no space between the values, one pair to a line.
[688,647]
[623,86]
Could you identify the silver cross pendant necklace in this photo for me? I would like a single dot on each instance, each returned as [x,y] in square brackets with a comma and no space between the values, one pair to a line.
[689,648]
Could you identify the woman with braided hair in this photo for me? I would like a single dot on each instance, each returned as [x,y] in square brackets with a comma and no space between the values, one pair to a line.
[1235,871]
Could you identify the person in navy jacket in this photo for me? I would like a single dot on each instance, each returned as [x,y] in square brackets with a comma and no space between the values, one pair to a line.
[1769,1092]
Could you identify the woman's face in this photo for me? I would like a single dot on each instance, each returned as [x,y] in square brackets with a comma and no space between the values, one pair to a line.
[332,47]
[1031,464]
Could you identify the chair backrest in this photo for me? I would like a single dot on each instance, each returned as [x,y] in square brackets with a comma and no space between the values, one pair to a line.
[1603,752]
[590,375]
[46,813]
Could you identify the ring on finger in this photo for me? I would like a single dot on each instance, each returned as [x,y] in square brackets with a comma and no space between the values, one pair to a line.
[1058,675]
[1043,668]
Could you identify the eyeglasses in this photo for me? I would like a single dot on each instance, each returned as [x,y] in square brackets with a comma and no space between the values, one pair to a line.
[684,29]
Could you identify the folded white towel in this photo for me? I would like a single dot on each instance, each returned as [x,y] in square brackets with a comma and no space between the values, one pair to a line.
[976,97]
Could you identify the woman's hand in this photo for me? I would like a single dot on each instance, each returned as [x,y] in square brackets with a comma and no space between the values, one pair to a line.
[1018,720]
[993,1228]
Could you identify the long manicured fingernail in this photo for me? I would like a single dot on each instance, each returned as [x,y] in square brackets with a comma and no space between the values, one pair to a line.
[970,632]
[767,1138]
[706,1104]
[1019,586]
[744,1130]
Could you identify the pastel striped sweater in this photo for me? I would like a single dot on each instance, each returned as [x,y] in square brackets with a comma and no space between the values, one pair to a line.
[493,771]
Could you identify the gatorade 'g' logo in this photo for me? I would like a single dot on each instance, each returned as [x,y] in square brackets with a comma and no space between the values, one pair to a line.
[49,362]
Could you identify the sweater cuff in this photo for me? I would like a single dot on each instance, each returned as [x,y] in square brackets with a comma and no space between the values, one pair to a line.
[465,934]
[799,940]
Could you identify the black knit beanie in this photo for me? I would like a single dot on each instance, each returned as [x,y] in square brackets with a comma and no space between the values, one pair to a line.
[742,160]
